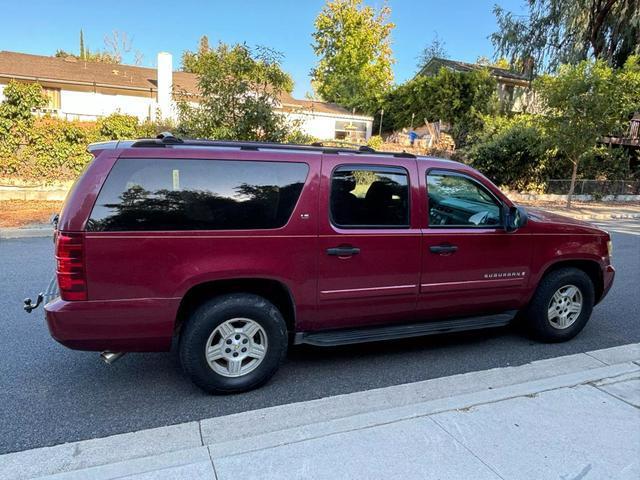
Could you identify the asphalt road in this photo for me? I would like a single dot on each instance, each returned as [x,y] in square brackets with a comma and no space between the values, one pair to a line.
[51,395]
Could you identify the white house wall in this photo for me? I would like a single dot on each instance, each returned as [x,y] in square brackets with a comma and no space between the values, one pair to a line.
[89,105]
[322,126]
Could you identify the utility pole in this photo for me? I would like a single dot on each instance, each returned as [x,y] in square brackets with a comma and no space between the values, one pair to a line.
[381,117]
[412,116]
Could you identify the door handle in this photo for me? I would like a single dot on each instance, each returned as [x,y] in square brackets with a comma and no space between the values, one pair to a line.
[343,251]
[445,248]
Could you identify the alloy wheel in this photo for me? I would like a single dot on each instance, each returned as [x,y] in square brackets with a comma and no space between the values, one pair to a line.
[565,307]
[236,347]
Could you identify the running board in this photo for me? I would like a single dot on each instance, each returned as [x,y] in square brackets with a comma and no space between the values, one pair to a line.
[347,336]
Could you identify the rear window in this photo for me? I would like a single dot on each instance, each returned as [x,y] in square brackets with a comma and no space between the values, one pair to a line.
[163,194]
[368,196]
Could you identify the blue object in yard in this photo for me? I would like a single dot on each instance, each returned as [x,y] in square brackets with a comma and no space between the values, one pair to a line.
[412,137]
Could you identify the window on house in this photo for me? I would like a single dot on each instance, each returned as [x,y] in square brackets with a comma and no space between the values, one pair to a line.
[369,196]
[53,97]
[148,194]
[351,131]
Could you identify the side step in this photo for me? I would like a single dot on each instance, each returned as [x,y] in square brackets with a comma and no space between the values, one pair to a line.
[376,334]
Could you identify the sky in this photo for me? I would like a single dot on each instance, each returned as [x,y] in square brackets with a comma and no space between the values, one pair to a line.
[40,27]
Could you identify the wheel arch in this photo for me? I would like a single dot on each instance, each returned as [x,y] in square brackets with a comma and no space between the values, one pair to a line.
[591,267]
[273,290]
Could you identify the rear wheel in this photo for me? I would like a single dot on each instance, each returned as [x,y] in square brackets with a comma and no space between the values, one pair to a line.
[233,343]
[561,306]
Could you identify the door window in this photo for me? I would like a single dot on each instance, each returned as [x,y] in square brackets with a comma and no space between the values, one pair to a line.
[370,197]
[458,201]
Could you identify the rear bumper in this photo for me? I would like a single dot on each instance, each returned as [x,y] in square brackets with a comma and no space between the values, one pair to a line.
[136,325]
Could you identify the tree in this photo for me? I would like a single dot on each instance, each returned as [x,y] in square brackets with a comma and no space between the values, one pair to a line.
[83,53]
[117,45]
[436,49]
[20,99]
[16,118]
[190,60]
[512,151]
[498,63]
[585,102]
[568,31]
[239,89]
[354,46]
[457,98]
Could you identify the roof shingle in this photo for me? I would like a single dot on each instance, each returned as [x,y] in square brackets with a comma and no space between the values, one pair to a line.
[71,70]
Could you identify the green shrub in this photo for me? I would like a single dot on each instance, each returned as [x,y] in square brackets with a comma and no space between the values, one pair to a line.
[375,142]
[49,149]
[57,149]
[118,127]
[513,152]
[300,138]
[606,163]
[516,152]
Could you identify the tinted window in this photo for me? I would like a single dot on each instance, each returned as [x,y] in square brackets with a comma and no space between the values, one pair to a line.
[145,194]
[370,196]
[455,200]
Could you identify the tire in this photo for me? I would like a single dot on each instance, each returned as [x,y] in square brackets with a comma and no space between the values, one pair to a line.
[545,318]
[220,329]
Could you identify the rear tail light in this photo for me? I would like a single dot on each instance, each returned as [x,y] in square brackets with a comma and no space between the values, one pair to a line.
[70,266]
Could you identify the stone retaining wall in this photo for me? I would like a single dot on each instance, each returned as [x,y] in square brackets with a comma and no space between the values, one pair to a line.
[34,192]
[548,197]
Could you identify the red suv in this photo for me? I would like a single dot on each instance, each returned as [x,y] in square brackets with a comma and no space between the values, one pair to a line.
[237,250]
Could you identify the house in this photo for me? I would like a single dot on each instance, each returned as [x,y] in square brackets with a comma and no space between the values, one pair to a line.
[81,90]
[629,142]
[514,89]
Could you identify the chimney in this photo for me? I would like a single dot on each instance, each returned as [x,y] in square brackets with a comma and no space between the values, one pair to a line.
[165,84]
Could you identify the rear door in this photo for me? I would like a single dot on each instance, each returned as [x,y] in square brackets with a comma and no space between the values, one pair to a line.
[369,240]
[470,265]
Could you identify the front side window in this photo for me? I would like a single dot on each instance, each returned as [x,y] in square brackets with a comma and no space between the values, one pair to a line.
[363,196]
[167,194]
[458,201]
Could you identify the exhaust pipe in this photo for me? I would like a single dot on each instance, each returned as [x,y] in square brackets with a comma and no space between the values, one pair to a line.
[110,357]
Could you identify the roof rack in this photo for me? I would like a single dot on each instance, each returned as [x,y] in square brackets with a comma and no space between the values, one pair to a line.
[166,139]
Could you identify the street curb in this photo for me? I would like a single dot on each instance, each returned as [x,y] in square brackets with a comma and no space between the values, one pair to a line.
[625,215]
[149,450]
[595,217]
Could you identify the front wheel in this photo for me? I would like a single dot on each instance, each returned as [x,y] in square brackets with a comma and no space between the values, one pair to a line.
[561,306]
[233,343]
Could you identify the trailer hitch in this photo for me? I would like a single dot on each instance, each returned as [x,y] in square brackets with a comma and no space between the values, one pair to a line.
[29,307]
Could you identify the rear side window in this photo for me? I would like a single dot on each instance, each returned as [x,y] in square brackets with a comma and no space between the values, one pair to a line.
[150,194]
[370,196]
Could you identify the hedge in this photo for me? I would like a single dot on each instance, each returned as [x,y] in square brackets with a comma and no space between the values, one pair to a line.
[48,149]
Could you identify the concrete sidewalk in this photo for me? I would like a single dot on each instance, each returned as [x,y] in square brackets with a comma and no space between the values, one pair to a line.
[572,417]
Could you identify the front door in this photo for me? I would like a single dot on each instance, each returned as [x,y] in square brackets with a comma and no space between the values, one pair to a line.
[470,265]
[369,241]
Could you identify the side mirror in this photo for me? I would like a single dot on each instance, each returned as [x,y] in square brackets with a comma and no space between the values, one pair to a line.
[515,218]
